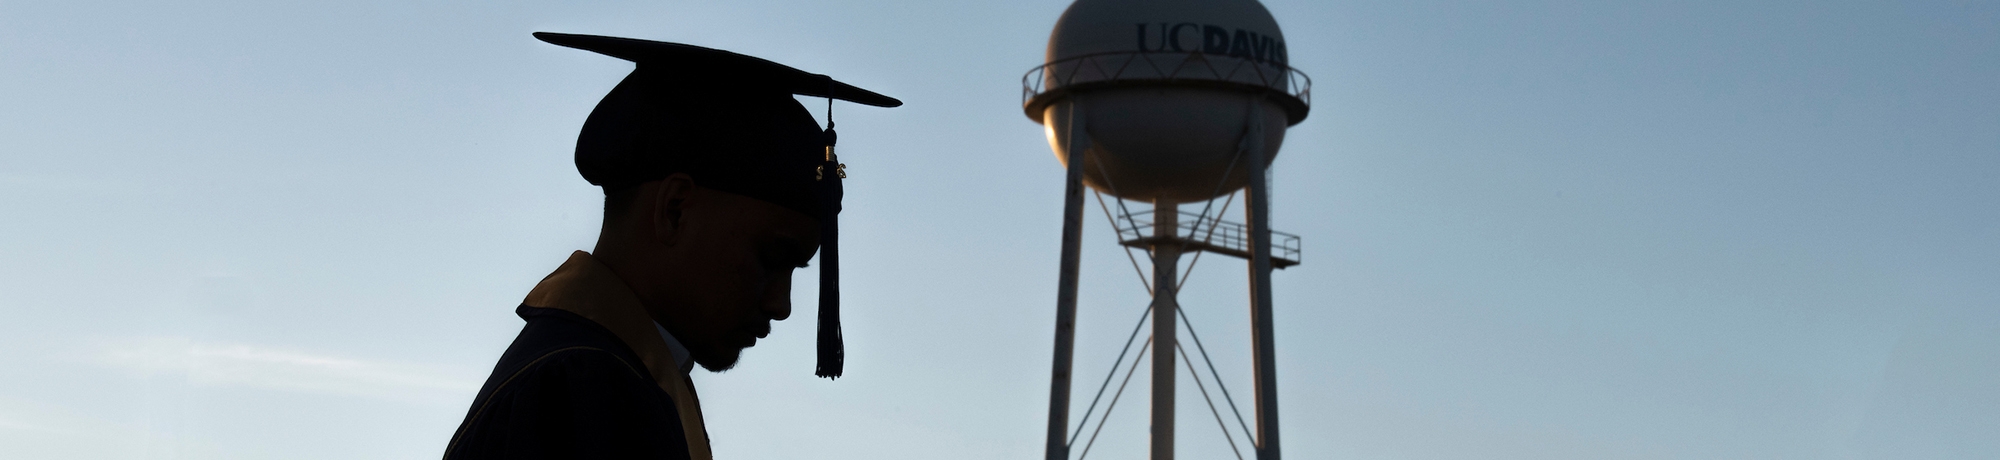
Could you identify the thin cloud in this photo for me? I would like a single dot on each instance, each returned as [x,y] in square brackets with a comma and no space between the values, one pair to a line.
[246,365]
[60,183]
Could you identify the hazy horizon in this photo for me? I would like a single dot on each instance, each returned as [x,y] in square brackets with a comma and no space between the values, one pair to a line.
[1537,230]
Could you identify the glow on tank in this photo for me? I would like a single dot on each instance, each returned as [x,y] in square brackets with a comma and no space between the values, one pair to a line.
[1164,88]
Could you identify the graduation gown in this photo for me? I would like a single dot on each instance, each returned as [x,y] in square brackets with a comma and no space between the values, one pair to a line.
[589,377]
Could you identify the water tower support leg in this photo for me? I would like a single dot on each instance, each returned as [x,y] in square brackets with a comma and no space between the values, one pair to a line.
[1263,348]
[1072,248]
[1166,260]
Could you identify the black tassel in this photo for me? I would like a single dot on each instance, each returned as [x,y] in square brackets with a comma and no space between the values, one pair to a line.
[832,350]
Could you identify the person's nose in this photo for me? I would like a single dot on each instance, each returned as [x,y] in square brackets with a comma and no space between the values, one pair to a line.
[778,302]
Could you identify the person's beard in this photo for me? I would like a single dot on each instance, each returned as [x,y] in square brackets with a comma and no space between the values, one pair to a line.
[718,360]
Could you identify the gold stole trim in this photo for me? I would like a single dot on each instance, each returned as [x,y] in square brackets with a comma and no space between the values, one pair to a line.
[589,289]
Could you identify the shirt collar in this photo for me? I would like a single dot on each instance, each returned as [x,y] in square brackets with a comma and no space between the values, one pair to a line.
[682,357]
[589,289]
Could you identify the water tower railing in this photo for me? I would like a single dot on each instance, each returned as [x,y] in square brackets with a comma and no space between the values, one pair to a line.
[1207,233]
[1041,85]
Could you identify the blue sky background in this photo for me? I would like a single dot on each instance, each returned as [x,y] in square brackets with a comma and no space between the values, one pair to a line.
[1568,230]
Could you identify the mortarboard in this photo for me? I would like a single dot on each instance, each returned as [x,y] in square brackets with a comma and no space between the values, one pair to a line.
[729,121]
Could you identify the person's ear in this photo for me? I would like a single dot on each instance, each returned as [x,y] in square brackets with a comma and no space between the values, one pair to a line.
[673,197]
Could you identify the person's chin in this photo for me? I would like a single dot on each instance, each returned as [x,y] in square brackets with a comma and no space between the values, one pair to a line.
[719,361]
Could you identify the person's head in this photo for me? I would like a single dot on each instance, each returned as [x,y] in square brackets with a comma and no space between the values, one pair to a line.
[713,267]
[709,205]
[717,184]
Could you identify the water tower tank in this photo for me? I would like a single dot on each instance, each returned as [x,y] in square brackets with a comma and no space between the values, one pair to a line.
[1165,90]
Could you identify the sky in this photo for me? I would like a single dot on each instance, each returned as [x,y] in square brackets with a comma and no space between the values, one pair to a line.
[1547,230]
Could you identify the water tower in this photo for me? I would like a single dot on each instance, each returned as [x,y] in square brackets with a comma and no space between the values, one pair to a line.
[1168,102]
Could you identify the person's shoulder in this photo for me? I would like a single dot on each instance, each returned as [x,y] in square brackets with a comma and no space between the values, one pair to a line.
[550,330]
[557,342]
[566,386]
[572,402]
[564,372]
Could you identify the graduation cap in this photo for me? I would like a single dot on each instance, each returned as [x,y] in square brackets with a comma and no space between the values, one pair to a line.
[729,121]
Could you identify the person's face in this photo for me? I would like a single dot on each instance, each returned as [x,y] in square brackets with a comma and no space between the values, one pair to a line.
[728,272]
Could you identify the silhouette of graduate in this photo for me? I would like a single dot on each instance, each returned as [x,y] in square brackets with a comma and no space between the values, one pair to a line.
[717,184]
